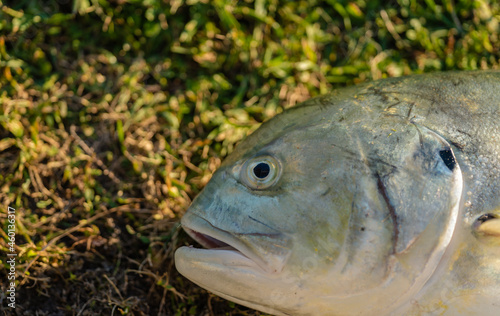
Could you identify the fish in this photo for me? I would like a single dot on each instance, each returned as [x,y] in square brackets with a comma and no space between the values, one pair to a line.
[381,198]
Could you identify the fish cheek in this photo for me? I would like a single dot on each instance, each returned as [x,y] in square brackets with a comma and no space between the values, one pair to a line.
[368,240]
[307,211]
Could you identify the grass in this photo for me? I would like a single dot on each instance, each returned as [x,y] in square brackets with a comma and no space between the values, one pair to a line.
[114,114]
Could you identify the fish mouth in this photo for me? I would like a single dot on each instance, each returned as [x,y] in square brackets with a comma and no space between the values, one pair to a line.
[221,245]
[208,241]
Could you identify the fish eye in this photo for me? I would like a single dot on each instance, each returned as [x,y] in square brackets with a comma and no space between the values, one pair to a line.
[260,172]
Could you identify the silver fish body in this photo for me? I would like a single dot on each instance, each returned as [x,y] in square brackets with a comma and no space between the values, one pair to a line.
[378,199]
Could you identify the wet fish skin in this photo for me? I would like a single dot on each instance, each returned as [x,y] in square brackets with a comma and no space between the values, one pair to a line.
[385,201]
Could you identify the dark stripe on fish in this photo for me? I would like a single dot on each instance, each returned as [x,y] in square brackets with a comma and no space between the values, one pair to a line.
[392,212]
[262,223]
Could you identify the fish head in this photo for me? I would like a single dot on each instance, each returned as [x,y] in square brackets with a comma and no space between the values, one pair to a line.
[325,211]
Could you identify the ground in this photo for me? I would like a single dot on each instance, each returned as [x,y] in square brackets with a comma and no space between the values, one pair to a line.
[114,114]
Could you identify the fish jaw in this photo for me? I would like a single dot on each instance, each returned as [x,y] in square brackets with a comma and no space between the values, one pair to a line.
[231,269]
[228,271]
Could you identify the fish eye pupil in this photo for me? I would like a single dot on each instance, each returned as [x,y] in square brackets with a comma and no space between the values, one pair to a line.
[261,170]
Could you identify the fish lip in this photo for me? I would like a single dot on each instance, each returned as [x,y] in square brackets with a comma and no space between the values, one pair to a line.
[200,229]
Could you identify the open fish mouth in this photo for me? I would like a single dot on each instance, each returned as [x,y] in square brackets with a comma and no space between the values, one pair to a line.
[231,263]
[208,241]
[222,247]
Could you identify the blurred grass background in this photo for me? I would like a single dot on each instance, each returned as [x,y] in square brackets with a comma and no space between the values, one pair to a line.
[114,114]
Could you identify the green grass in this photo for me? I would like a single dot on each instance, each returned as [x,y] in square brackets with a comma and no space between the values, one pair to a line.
[114,114]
